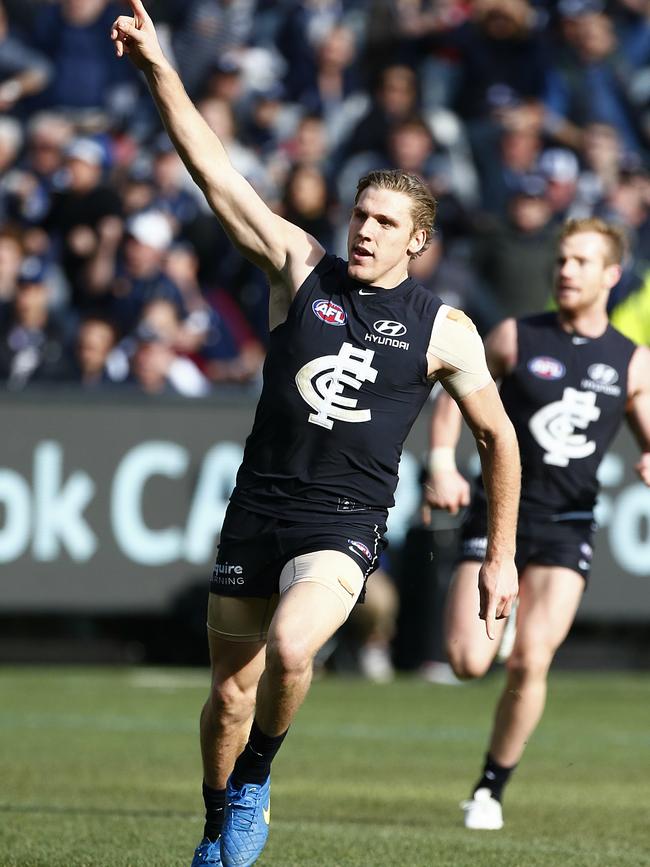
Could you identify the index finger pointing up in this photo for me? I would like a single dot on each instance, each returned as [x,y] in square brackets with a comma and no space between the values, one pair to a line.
[138,10]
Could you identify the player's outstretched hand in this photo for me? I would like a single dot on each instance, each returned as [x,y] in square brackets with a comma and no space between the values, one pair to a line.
[643,468]
[498,586]
[136,37]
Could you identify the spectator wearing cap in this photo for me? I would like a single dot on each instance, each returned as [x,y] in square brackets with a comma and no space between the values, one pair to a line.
[156,369]
[127,274]
[501,169]
[268,123]
[215,332]
[395,98]
[568,14]
[95,342]
[561,170]
[33,344]
[48,136]
[307,146]
[151,363]
[219,116]
[224,79]
[174,187]
[603,158]
[157,349]
[209,29]
[23,71]
[413,148]
[501,62]
[26,188]
[301,27]
[136,187]
[330,86]
[515,257]
[82,213]
[593,82]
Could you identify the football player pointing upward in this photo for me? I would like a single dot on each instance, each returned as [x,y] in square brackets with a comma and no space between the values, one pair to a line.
[568,380]
[354,350]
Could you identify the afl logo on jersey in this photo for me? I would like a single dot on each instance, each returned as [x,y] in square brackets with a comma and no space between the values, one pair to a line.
[545,367]
[330,313]
[389,327]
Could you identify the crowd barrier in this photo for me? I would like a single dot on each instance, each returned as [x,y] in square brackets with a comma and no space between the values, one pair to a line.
[114,504]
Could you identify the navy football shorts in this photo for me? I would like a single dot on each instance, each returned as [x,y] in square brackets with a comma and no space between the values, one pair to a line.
[541,541]
[254,548]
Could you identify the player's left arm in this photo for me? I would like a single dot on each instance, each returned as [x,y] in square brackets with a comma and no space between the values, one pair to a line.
[638,407]
[456,357]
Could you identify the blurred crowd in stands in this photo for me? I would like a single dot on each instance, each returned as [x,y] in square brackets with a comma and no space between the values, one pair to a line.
[113,272]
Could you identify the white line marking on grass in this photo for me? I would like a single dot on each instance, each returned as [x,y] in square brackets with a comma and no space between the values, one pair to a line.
[151,679]
[107,723]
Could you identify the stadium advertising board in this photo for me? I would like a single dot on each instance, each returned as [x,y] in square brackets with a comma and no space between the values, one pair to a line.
[116,506]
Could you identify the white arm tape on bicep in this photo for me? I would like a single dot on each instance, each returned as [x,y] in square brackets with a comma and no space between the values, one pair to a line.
[456,342]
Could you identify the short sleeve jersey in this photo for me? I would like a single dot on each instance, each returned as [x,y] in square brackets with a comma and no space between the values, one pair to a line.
[566,398]
[344,379]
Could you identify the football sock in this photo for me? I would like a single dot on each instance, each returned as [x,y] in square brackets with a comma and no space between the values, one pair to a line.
[494,778]
[254,764]
[215,801]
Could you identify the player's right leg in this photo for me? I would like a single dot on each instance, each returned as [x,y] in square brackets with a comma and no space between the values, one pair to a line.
[236,665]
[317,593]
[549,599]
[469,650]
[471,654]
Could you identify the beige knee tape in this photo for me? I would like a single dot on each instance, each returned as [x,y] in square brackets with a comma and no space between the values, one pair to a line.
[332,569]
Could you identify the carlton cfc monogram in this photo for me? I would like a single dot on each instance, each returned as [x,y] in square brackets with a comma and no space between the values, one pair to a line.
[321,382]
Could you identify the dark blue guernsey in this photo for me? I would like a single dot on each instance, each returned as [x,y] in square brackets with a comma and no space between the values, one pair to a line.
[566,398]
[344,380]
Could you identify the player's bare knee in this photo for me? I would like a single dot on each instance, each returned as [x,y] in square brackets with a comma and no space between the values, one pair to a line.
[529,663]
[230,701]
[287,656]
[466,664]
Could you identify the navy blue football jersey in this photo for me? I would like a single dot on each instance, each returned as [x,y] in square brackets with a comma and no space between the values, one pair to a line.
[566,398]
[344,379]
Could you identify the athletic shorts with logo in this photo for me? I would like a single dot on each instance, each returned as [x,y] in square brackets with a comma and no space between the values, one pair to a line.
[543,541]
[254,548]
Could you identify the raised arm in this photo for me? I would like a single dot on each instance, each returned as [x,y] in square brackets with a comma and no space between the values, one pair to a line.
[638,408]
[461,366]
[284,251]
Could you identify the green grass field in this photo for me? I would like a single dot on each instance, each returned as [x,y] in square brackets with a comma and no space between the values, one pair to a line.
[100,768]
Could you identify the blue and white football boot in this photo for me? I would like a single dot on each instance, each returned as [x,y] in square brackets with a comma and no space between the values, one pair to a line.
[207,854]
[246,826]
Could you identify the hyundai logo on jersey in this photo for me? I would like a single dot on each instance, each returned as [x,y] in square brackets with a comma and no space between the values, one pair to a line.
[389,327]
[602,373]
[545,367]
[329,312]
